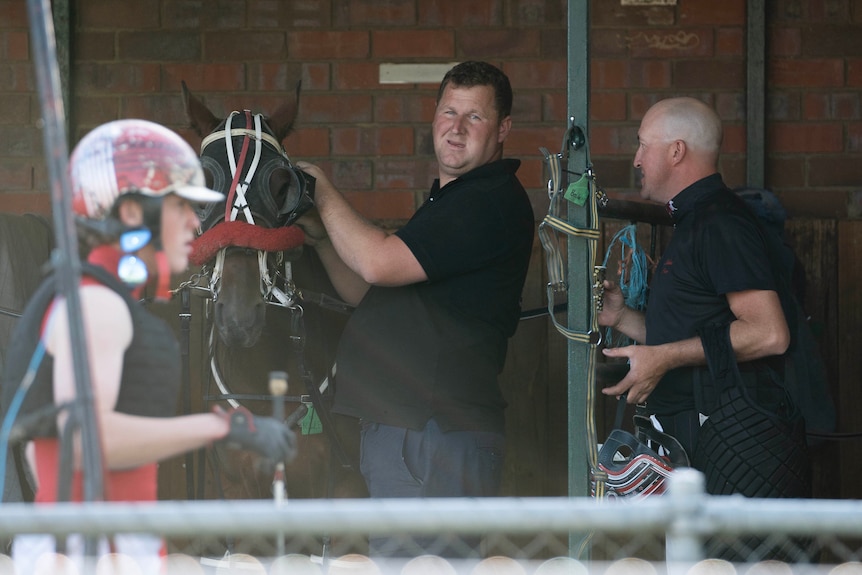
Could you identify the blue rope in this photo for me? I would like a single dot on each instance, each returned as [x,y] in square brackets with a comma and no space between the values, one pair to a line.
[633,274]
[14,406]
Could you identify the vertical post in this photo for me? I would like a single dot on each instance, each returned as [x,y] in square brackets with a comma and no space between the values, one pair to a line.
[686,493]
[65,257]
[278,389]
[580,269]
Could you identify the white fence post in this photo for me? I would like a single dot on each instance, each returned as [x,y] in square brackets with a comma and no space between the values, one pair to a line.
[686,495]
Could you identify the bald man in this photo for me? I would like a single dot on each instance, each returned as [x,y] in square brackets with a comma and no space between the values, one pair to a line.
[715,271]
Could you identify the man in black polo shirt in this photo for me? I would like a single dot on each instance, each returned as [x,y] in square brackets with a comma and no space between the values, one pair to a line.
[715,300]
[436,303]
[715,272]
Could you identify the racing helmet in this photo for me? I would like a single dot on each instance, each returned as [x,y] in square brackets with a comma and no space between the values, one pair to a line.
[133,157]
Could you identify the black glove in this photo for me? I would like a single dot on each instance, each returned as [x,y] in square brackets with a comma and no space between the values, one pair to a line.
[264,435]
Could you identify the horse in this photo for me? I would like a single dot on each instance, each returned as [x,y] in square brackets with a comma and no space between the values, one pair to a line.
[270,306]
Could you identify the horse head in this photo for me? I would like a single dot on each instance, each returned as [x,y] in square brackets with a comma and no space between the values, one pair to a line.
[250,235]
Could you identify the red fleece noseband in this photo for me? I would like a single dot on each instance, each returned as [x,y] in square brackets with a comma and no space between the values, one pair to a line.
[244,235]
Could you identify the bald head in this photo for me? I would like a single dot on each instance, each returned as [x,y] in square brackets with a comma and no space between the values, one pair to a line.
[691,121]
[678,144]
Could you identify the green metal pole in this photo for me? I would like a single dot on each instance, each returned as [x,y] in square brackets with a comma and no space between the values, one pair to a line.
[579,269]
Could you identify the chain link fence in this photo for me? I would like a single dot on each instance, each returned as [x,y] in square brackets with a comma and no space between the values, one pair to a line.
[682,532]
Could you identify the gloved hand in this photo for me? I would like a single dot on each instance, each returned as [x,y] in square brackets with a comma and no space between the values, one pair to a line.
[264,435]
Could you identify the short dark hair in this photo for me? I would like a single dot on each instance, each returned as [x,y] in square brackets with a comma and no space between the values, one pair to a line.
[473,73]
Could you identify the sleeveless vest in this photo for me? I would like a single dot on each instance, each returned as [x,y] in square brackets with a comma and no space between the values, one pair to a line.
[151,364]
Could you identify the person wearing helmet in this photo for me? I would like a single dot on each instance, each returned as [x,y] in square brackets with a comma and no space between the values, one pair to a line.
[135,186]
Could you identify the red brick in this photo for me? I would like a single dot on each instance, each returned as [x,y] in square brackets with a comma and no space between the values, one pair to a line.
[397,204]
[116,78]
[784,171]
[461,14]
[15,45]
[734,139]
[785,73]
[653,74]
[526,141]
[490,44]
[531,172]
[784,42]
[845,106]
[404,174]
[21,141]
[675,43]
[328,45]
[536,13]
[730,106]
[13,14]
[854,72]
[391,141]
[15,109]
[355,75]
[93,111]
[373,13]
[16,175]
[834,12]
[607,106]
[204,77]
[783,106]
[400,44]
[275,77]
[349,175]
[328,108]
[612,139]
[805,137]
[91,45]
[617,172]
[113,15]
[832,40]
[604,14]
[308,142]
[537,74]
[162,108]
[159,46]
[244,46]
[608,43]
[27,203]
[841,170]
[608,74]
[730,42]
[815,106]
[854,137]
[277,15]
[640,102]
[316,76]
[527,107]
[555,106]
[389,108]
[553,44]
[728,12]
[698,74]
[733,170]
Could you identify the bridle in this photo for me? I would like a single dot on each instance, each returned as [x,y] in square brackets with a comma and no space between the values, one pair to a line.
[237,203]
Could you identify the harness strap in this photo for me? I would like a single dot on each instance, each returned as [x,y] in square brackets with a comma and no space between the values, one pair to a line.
[233,164]
[240,202]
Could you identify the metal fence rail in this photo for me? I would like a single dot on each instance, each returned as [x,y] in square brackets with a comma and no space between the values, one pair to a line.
[671,532]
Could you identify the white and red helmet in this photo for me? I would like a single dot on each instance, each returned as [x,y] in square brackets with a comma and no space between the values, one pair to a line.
[133,156]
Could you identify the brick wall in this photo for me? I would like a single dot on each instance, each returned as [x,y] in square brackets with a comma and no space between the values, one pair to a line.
[129,59]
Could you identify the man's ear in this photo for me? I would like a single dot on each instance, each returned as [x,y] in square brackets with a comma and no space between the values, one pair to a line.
[678,151]
[131,213]
[505,126]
